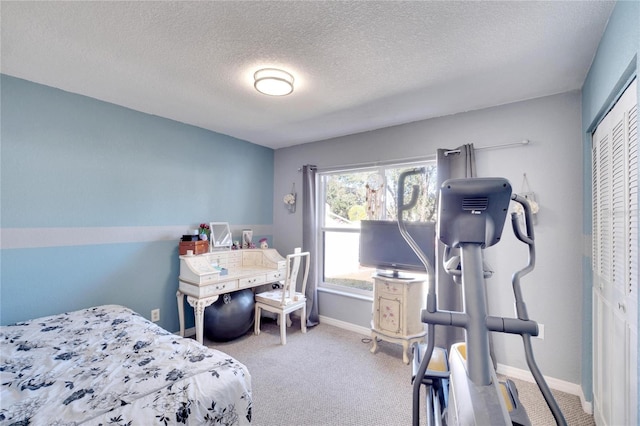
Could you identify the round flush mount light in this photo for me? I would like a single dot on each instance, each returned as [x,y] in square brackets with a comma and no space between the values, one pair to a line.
[272,81]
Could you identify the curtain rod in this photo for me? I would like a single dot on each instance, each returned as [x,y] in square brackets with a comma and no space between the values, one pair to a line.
[411,159]
[522,142]
[375,163]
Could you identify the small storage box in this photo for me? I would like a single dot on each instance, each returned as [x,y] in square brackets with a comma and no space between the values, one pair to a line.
[198,247]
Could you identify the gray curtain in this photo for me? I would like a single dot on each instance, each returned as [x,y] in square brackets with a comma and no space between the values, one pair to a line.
[451,163]
[309,236]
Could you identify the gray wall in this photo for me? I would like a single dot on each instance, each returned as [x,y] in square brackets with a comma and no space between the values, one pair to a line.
[553,164]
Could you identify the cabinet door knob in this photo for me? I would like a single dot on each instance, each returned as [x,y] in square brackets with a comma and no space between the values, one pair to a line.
[622,307]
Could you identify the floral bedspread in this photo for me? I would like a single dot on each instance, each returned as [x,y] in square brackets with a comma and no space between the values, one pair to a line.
[109,366]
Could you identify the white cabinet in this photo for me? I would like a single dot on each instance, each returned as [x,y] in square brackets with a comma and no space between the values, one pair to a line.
[397,306]
[615,263]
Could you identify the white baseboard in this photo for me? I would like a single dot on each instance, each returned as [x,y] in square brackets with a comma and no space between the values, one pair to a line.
[345,325]
[188,332]
[557,384]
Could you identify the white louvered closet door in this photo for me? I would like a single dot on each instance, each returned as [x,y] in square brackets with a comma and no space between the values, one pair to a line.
[615,263]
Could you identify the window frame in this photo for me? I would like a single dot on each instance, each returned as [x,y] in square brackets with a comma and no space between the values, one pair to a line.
[322,229]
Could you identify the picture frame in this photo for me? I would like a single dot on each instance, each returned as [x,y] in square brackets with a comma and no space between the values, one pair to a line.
[247,237]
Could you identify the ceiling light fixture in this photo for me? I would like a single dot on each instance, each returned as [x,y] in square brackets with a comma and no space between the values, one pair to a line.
[272,81]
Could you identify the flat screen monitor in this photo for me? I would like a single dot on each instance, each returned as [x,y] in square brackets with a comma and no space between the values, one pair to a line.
[383,247]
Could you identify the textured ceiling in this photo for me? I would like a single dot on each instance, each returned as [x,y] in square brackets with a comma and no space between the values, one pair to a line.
[358,65]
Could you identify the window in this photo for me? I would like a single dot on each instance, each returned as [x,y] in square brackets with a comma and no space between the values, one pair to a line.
[348,196]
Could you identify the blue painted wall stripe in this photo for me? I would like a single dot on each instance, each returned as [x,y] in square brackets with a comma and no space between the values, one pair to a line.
[17,238]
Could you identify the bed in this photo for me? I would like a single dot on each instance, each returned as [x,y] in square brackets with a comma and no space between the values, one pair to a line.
[107,365]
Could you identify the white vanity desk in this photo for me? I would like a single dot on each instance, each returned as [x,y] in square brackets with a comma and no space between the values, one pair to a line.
[202,280]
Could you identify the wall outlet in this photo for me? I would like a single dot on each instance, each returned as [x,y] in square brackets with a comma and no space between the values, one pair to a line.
[540,332]
[155,315]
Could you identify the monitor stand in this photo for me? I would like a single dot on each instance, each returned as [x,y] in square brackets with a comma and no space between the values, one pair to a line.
[394,273]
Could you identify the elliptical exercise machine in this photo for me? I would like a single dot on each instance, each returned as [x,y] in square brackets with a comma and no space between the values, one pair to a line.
[465,390]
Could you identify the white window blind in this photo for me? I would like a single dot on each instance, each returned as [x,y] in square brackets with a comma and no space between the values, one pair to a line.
[615,199]
[615,263]
[633,202]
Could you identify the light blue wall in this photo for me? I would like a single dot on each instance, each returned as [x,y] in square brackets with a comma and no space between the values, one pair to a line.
[616,61]
[133,181]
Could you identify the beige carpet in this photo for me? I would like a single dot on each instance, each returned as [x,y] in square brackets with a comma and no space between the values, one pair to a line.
[539,413]
[329,377]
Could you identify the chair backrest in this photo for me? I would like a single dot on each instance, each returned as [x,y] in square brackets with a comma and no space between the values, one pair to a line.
[291,279]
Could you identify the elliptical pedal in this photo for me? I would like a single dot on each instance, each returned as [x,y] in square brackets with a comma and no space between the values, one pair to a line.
[436,377]
[438,367]
[516,410]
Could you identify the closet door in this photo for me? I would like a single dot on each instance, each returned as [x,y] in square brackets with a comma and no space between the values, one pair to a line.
[615,263]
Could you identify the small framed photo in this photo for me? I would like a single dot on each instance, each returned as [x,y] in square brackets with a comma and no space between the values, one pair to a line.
[247,238]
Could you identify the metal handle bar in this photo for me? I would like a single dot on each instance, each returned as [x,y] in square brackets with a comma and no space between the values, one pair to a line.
[498,324]
[521,307]
[431,282]
[402,207]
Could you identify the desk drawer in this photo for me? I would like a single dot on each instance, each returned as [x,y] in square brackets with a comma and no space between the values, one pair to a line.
[389,288]
[252,281]
[275,276]
[208,279]
[233,264]
[220,288]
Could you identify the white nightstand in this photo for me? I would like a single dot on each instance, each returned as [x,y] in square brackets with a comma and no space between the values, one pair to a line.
[397,306]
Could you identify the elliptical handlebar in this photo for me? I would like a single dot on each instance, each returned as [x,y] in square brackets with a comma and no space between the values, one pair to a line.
[431,281]
[402,207]
[527,237]
[521,307]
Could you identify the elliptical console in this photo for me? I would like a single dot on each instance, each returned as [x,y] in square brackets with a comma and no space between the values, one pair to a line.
[473,211]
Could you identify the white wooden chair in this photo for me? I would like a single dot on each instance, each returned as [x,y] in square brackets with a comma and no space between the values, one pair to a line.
[284,300]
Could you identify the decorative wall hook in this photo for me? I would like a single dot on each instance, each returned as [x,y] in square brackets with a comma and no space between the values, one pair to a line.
[290,199]
[531,199]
